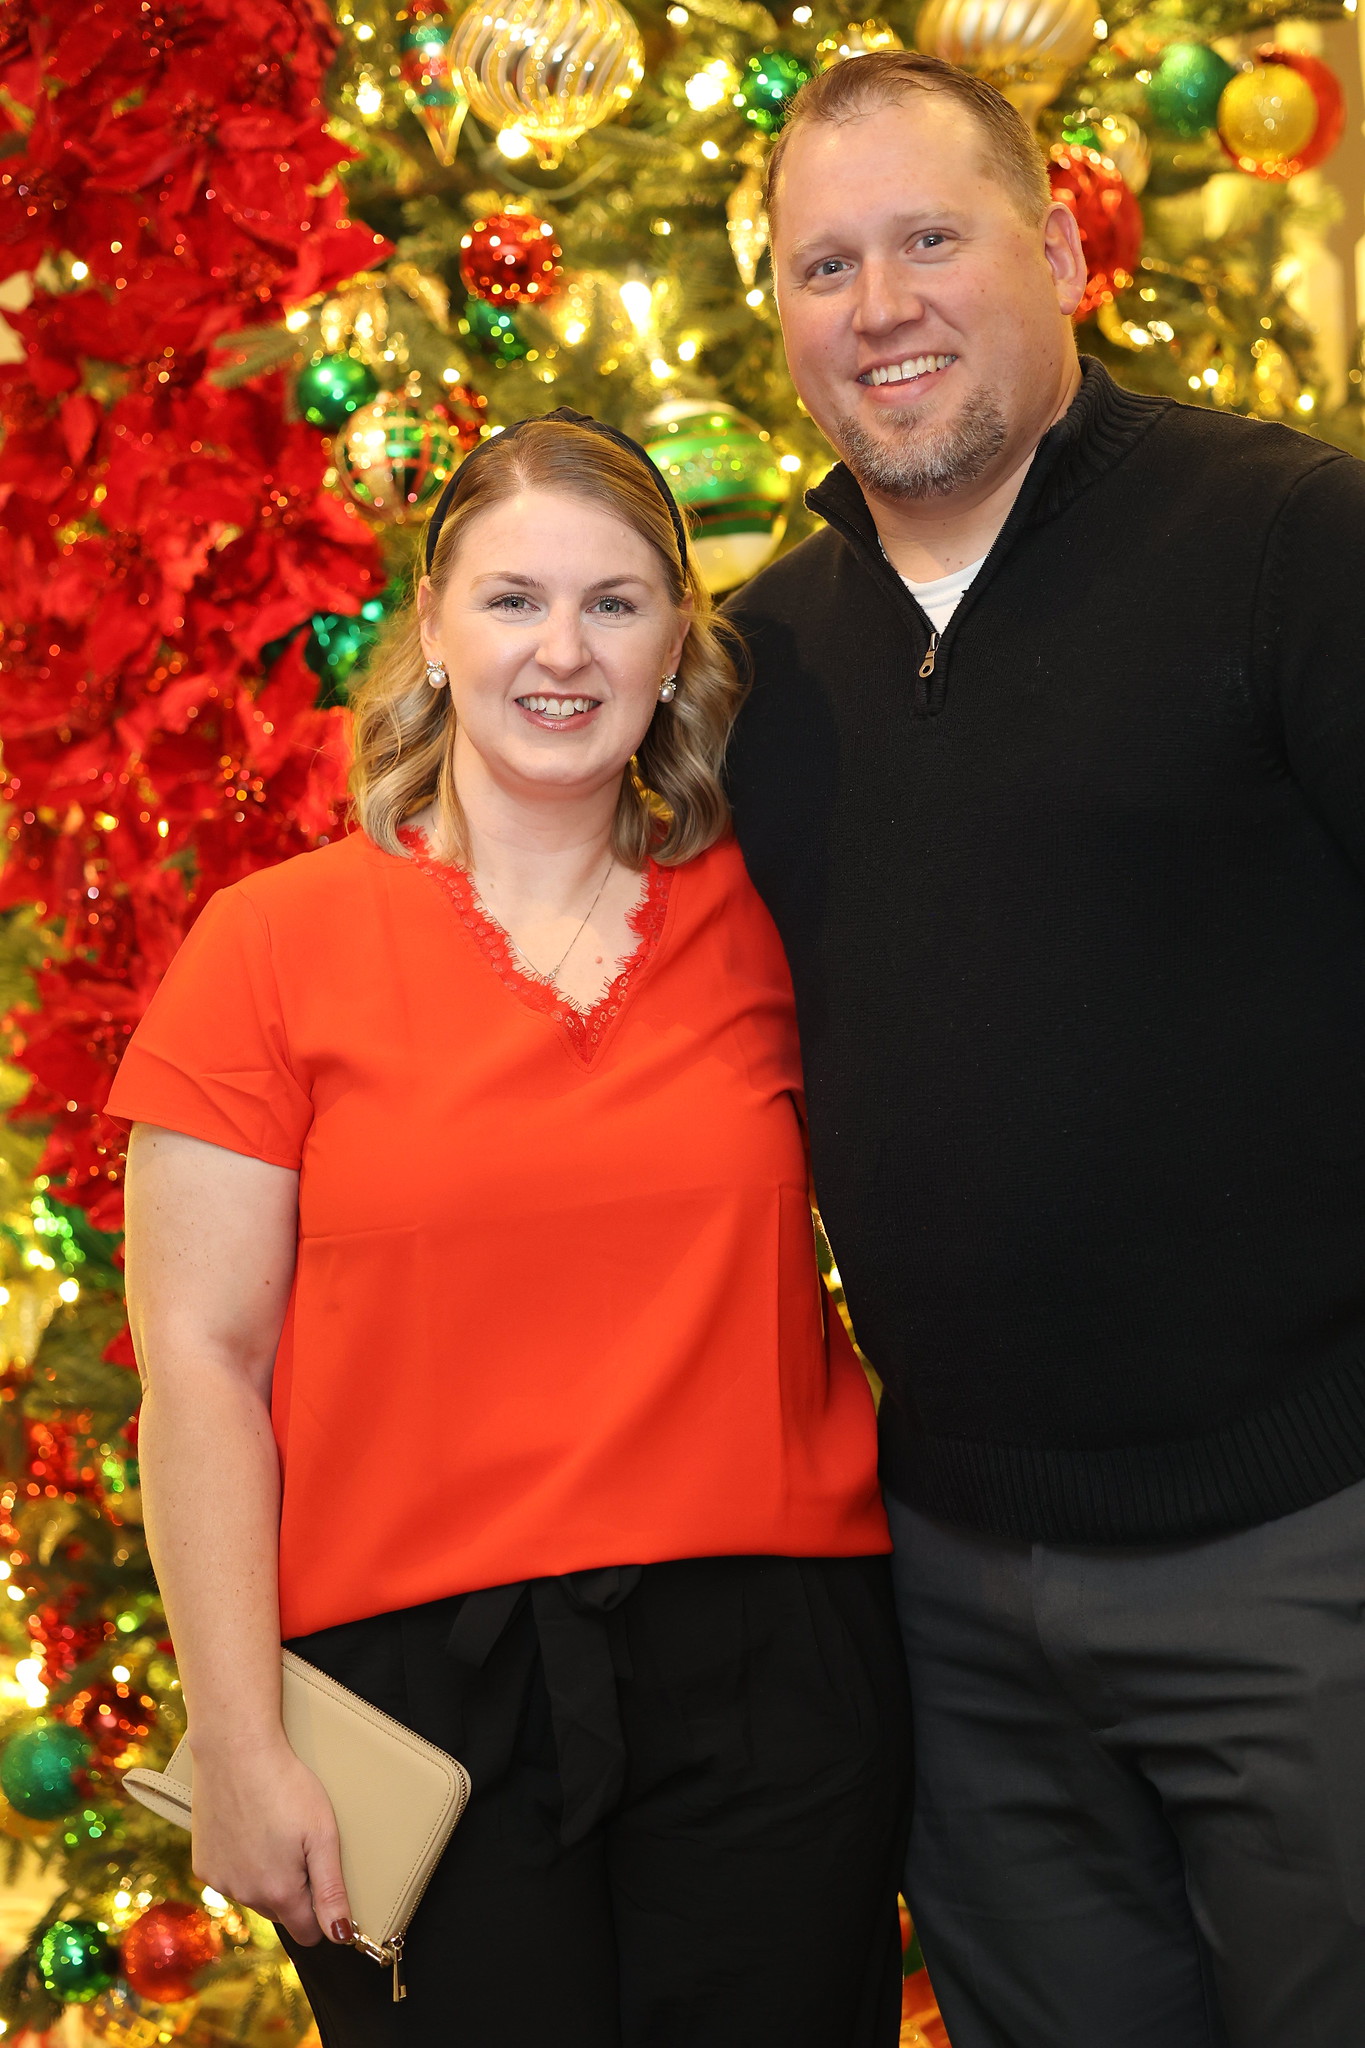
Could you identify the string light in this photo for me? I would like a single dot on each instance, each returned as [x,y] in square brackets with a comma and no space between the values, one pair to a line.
[708,87]
[638,300]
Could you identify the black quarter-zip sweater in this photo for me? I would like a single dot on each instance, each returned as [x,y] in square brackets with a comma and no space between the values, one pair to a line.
[1077,927]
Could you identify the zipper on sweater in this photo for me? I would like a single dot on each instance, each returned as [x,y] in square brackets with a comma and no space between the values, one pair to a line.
[924,673]
[926,689]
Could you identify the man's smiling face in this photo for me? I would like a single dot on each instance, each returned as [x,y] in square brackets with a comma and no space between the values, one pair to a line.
[924,313]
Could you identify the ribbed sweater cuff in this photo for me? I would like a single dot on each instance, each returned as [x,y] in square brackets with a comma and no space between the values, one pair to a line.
[1273,1462]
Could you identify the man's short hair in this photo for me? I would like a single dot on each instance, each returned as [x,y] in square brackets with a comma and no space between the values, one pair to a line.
[885,78]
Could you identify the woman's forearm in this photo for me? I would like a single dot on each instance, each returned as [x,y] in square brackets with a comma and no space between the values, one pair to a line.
[211,1488]
[211,1248]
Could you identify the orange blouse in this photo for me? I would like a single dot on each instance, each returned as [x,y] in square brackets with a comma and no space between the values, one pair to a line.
[556,1302]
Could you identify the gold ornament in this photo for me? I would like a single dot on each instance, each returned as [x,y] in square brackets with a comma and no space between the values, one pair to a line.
[1274,380]
[746,223]
[430,294]
[1266,116]
[123,2020]
[551,69]
[356,317]
[1024,47]
[19,1827]
[1121,139]
[857,39]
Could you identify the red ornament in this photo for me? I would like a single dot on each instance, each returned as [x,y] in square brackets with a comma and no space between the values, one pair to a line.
[462,408]
[1108,216]
[62,1460]
[1325,87]
[165,1949]
[62,1636]
[511,259]
[113,1716]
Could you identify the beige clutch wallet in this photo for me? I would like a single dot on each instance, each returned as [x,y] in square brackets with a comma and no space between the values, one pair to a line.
[396,1798]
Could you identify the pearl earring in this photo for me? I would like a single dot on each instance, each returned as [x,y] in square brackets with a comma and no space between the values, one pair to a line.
[668,689]
[437,676]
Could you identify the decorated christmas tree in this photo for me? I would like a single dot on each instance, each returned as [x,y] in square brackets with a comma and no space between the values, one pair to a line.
[268,277]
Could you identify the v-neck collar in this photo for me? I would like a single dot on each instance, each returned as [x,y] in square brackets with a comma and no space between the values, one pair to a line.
[584,1030]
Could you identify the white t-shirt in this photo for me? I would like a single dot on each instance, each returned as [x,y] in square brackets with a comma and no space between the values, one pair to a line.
[941,597]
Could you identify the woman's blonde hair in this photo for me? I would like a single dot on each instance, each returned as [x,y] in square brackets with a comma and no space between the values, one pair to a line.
[672,804]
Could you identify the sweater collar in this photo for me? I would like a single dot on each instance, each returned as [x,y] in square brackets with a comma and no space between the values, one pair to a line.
[1097,429]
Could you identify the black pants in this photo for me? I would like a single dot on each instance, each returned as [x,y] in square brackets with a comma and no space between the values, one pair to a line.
[1140,1817]
[689,1837]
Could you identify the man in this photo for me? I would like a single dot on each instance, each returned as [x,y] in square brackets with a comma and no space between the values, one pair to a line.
[1053,776]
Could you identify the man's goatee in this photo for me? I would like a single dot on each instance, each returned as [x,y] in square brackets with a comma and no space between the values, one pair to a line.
[910,460]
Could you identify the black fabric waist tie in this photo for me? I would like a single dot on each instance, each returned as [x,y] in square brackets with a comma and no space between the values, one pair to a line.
[581,1667]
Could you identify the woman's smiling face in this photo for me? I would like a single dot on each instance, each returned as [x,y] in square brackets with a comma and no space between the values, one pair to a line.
[556,626]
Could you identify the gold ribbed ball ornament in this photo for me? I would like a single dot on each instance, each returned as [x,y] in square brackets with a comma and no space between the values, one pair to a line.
[1025,47]
[1122,140]
[551,69]
[856,39]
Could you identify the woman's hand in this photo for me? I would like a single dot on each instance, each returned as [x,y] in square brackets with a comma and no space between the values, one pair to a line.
[265,1835]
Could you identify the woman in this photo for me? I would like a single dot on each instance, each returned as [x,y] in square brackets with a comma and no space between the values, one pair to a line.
[472,1277]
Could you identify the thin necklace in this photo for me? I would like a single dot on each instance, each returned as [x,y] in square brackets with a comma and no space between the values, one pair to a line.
[549,975]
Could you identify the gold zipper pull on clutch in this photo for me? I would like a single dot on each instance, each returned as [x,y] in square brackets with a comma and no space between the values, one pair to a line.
[390,1954]
[926,667]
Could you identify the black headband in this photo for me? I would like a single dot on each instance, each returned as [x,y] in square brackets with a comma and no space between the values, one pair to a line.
[563,415]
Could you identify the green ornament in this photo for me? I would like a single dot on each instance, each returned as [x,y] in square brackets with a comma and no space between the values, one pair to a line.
[727,477]
[495,330]
[394,459]
[38,1769]
[338,640]
[75,1961]
[331,388]
[770,80]
[1186,86]
[1082,135]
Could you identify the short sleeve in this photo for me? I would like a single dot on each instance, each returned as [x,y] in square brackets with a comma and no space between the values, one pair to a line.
[211,1057]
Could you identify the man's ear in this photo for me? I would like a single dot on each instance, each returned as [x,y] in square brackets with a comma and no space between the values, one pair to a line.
[1064,256]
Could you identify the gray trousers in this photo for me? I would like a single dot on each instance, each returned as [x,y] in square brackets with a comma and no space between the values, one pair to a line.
[1140,1784]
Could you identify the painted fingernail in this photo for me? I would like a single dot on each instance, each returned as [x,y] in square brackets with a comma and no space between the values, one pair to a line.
[343,1931]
